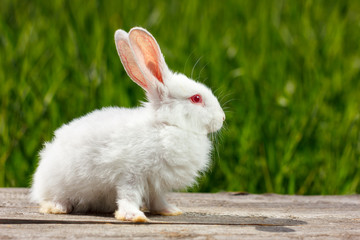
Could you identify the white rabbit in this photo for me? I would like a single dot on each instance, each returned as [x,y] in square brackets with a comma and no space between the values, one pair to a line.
[118,159]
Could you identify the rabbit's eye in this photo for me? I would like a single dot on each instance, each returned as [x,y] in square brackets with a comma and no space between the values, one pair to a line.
[197,99]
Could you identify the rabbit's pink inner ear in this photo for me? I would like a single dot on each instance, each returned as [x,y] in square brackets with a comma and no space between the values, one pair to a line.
[155,70]
[130,65]
[150,51]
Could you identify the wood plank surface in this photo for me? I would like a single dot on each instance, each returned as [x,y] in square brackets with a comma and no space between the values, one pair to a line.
[206,216]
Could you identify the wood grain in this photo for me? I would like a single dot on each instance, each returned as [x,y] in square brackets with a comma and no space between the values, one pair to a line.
[206,216]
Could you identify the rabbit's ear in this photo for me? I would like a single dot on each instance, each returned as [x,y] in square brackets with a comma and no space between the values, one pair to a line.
[148,54]
[128,59]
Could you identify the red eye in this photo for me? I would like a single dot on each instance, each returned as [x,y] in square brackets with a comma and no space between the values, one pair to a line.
[197,99]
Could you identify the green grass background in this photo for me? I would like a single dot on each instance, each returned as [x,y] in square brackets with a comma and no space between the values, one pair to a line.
[287,71]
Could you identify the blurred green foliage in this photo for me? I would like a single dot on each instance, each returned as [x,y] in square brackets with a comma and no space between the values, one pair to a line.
[287,72]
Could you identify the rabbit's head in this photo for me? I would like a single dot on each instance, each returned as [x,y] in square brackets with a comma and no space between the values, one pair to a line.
[175,99]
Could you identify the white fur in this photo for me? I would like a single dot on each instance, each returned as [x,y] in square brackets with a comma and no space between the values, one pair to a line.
[122,159]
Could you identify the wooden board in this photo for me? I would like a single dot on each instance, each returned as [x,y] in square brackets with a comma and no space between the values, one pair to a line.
[207,216]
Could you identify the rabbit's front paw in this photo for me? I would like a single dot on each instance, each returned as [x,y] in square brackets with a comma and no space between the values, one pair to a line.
[55,208]
[169,210]
[132,216]
[128,212]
